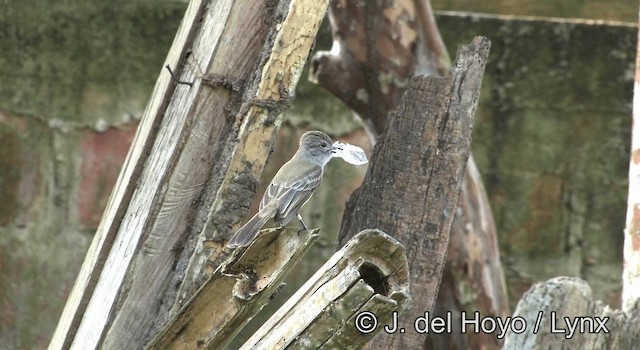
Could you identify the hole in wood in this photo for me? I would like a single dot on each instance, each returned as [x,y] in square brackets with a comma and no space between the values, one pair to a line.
[372,275]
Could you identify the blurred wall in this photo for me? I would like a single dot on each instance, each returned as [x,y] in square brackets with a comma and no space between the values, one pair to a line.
[551,139]
[74,78]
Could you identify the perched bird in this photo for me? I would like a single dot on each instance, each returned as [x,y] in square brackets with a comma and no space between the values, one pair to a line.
[291,187]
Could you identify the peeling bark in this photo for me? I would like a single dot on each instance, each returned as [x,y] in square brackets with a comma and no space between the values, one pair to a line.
[377,47]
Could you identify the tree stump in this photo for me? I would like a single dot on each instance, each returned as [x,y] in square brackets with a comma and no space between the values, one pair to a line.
[415,176]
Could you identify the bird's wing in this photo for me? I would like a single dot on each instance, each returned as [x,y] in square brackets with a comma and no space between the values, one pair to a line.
[290,196]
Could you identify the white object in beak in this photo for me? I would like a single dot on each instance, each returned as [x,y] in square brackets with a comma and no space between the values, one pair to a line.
[349,153]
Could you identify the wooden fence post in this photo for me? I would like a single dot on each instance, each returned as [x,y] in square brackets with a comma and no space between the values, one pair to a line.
[415,175]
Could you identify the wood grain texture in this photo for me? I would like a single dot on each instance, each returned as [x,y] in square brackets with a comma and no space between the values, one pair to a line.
[370,273]
[175,176]
[204,146]
[123,190]
[229,195]
[473,277]
[377,47]
[236,291]
[553,303]
[415,176]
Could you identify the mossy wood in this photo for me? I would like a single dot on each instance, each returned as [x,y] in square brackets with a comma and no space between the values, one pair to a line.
[370,273]
[192,169]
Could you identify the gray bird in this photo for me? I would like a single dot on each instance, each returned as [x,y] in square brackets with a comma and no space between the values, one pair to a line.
[290,188]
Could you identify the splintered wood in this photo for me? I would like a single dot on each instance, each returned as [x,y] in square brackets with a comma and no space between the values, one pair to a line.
[192,169]
[346,302]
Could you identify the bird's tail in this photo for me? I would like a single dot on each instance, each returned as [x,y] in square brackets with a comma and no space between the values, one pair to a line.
[248,232]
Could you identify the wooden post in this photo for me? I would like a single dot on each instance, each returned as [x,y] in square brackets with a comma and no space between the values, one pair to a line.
[192,170]
[631,266]
[377,47]
[547,307]
[415,175]
[367,278]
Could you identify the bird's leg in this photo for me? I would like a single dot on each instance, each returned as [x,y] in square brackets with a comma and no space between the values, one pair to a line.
[302,222]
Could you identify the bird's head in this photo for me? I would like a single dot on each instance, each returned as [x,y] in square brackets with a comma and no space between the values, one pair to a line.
[316,146]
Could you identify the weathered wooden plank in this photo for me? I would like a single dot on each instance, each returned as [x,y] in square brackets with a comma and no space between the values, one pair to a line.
[207,143]
[372,258]
[258,126]
[348,337]
[332,317]
[561,314]
[123,190]
[236,291]
[142,211]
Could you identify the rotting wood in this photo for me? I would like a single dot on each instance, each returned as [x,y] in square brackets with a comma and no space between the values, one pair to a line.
[369,274]
[549,308]
[192,169]
[235,292]
[414,179]
[377,47]
[292,44]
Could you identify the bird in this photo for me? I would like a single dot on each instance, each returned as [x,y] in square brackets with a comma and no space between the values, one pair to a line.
[291,187]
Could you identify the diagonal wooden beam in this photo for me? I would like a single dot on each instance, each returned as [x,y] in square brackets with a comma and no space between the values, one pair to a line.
[192,169]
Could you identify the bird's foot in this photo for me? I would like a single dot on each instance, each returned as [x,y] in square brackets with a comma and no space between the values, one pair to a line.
[302,222]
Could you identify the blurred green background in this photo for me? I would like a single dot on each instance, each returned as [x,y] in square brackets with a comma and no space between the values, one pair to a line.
[551,138]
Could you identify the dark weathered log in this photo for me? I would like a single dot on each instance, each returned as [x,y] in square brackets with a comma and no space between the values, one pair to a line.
[377,47]
[192,170]
[560,314]
[414,179]
[473,277]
